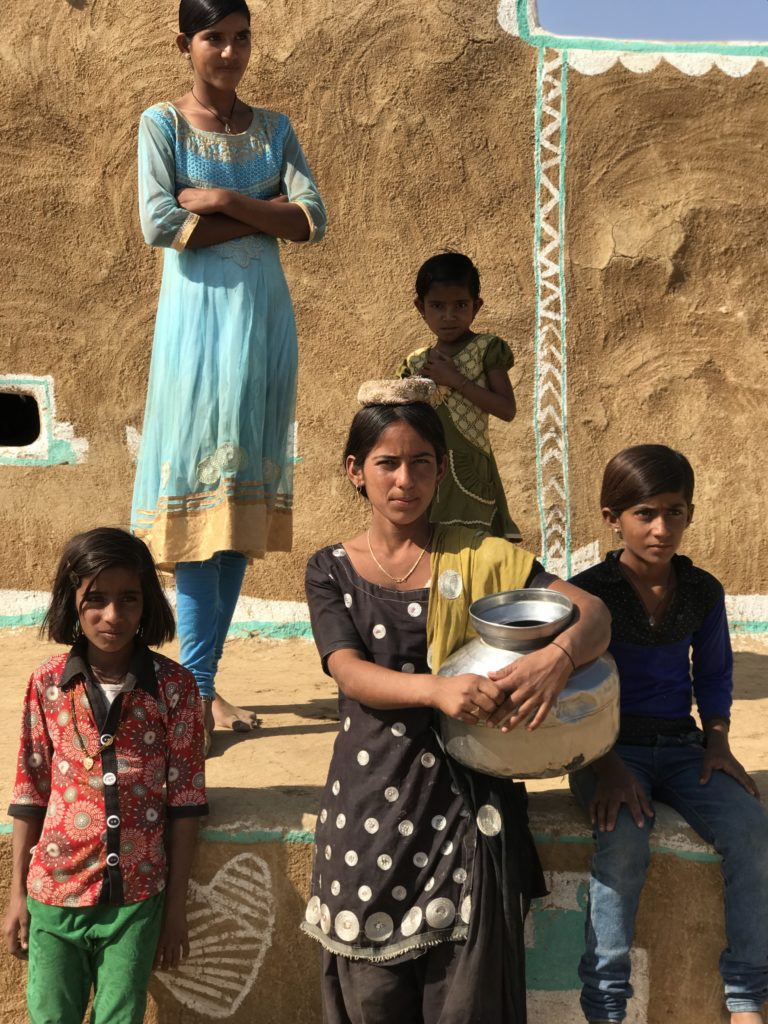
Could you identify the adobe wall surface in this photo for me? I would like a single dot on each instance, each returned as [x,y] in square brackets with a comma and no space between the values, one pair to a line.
[251,873]
[420,124]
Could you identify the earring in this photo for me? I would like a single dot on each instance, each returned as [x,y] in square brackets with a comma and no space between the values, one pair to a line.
[187,56]
[358,492]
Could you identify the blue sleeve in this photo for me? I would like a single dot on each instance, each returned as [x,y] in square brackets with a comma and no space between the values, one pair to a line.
[164,223]
[299,185]
[712,665]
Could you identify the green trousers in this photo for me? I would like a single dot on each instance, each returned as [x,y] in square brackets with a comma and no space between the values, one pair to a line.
[108,949]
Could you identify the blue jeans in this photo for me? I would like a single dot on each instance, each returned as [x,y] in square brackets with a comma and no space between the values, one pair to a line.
[725,816]
[206,595]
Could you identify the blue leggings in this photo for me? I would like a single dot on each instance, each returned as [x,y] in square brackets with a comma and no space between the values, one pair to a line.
[206,595]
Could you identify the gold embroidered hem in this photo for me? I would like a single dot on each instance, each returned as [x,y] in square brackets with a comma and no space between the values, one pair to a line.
[192,532]
[308,215]
[182,235]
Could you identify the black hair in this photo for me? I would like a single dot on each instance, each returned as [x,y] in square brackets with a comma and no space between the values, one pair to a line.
[371,421]
[448,268]
[638,473]
[196,15]
[88,554]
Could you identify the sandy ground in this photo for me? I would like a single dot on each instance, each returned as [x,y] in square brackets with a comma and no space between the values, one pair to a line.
[272,778]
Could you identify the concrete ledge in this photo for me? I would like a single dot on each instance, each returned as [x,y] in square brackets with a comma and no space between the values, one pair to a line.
[249,962]
[252,867]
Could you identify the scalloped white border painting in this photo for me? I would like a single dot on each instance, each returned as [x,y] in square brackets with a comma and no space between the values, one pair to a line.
[593,56]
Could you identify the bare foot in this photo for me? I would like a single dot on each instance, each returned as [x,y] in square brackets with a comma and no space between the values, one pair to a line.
[227,716]
[748,1017]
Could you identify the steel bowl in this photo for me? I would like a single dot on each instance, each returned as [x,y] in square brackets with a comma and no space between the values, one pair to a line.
[521,620]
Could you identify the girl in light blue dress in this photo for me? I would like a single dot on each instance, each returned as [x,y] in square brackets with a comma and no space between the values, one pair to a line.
[219,183]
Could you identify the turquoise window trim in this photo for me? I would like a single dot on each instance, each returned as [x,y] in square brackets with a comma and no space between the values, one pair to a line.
[49,449]
[540,38]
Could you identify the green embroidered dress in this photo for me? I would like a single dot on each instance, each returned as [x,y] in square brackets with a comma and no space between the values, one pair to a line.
[471,494]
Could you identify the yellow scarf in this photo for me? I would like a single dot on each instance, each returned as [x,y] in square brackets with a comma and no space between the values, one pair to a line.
[467,564]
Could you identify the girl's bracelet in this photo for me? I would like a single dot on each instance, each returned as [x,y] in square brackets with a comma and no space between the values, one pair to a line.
[560,647]
[460,388]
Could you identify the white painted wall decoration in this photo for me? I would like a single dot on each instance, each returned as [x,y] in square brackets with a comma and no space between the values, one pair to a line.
[554,938]
[231,921]
[57,443]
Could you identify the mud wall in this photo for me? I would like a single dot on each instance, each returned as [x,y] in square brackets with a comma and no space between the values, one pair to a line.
[419,124]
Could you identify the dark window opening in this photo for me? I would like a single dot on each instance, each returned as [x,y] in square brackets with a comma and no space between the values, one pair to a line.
[19,419]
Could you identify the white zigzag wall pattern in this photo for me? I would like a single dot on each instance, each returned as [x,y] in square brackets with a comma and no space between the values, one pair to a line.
[549,343]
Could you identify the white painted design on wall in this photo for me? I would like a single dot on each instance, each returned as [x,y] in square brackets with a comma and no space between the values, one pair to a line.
[595,62]
[27,607]
[746,607]
[550,392]
[589,58]
[560,916]
[582,558]
[231,921]
[133,441]
[546,1007]
[57,443]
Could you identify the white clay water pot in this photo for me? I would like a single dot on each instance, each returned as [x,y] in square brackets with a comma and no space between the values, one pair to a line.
[581,726]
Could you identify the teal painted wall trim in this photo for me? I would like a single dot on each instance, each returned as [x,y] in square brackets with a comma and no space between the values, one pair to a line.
[736,627]
[304,838]
[303,630]
[265,630]
[272,630]
[701,856]
[540,38]
[27,619]
[58,450]
[258,835]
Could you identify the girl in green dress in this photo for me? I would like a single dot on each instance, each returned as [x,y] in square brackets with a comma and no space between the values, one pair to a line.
[472,373]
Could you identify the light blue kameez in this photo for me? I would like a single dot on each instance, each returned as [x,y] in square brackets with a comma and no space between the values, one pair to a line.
[215,466]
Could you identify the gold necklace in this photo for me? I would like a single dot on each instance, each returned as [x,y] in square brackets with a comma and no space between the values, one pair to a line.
[411,571]
[226,121]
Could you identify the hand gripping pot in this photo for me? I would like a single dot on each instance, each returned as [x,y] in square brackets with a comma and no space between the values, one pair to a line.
[580,727]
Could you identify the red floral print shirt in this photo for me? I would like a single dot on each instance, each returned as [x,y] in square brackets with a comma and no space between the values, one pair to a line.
[104,810]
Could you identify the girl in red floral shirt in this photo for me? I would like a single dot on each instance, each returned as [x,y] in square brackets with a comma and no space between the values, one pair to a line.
[111,748]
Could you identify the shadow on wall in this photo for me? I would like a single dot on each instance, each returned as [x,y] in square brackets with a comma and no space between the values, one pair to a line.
[240,813]
[79,5]
[750,675]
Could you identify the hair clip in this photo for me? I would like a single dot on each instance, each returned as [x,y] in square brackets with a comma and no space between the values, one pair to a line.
[73,578]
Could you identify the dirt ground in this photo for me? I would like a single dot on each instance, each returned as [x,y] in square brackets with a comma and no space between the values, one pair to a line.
[273,777]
